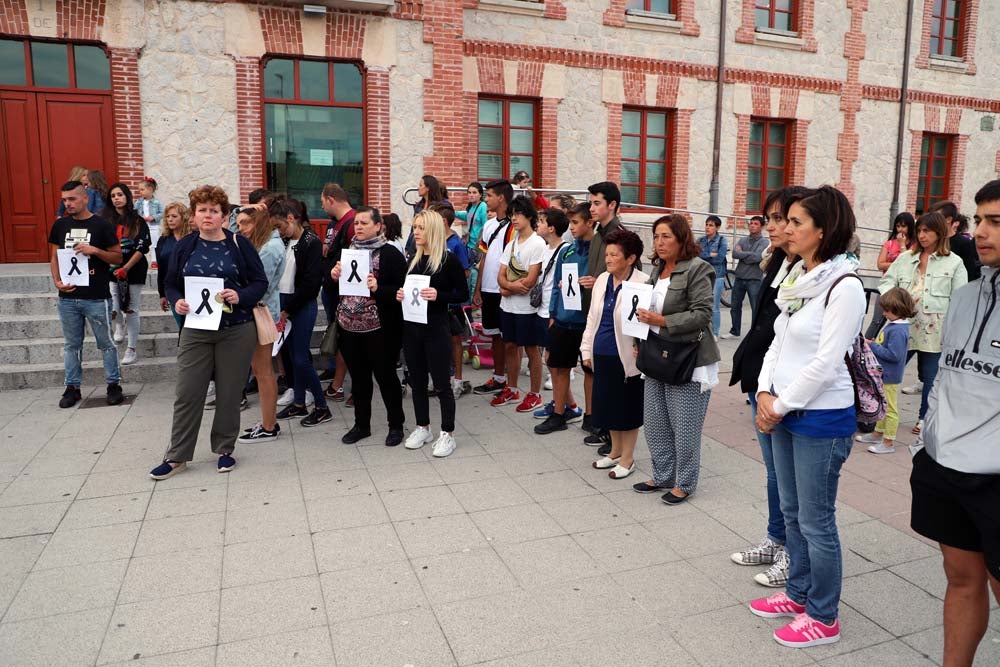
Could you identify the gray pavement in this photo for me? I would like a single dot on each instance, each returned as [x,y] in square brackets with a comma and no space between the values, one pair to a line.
[512,552]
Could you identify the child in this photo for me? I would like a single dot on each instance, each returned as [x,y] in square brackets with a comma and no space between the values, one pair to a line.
[566,326]
[552,223]
[889,347]
[520,269]
[148,206]
[456,319]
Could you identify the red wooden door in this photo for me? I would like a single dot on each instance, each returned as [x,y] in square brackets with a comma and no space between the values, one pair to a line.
[43,136]
[22,201]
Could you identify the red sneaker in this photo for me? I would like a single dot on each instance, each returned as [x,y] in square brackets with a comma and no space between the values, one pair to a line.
[506,396]
[804,632]
[776,606]
[530,402]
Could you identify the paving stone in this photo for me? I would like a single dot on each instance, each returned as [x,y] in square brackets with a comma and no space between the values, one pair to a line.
[544,486]
[930,643]
[882,544]
[184,533]
[411,637]
[911,609]
[303,648]
[463,575]
[199,657]
[267,560]
[66,639]
[266,521]
[420,503]
[468,469]
[888,654]
[333,484]
[749,639]
[89,545]
[168,503]
[372,590]
[348,548]
[577,515]
[927,573]
[106,511]
[31,491]
[490,494]
[693,533]
[116,483]
[138,629]
[345,512]
[252,494]
[439,535]
[173,573]
[516,524]
[405,476]
[20,521]
[674,590]
[67,589]
[549,560]
[271,608]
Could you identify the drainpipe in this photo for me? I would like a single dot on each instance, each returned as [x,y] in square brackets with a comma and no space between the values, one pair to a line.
[713,188]
[901,128]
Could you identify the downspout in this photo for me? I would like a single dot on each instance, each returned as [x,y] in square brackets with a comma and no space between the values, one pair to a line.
[901,128]
[713,188]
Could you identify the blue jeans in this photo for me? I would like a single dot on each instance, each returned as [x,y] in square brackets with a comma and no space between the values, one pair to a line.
[808,470]
[927,368]
[720,285]
[303,323]
[775,519]
[742,287]
[74,314]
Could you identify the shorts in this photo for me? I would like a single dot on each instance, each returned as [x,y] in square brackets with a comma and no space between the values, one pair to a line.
[563,347]
[491,313]
[957,509]
[524,330]
[456,322]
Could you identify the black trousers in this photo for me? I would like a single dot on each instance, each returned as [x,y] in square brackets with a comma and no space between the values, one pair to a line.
[427,349]
[370,355]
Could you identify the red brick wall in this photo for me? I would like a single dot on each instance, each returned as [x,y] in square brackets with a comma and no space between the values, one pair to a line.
[345,35]
[614,142]
[127,115]
[742,160]
[79,19]
[959,152]
[681,157]
[13,17]
[745,34]
[282,28]
[614,15]
[667,88]
[549,140]
[635,88]
[377,146]
[491,75]
[850,98]
[249,120]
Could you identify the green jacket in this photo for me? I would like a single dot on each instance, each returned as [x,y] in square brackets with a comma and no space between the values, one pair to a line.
[945,274]
[688,306]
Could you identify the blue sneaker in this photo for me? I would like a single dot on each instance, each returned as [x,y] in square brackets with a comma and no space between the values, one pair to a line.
[226,463]
[545,411]
[573,414]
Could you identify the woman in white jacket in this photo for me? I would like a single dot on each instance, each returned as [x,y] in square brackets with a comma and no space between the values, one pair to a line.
[805,401]
[618,388]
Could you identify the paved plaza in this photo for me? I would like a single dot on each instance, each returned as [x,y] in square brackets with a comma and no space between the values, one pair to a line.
[512,552]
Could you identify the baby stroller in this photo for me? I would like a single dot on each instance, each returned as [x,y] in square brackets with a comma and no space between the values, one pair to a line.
[478,346]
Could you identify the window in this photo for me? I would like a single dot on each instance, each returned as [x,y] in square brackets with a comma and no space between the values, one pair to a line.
[776,15]
[935,160]
[652,6]
[946,28]
[53,65]
[645,151]
[767,166]
[313,129]
[507,138]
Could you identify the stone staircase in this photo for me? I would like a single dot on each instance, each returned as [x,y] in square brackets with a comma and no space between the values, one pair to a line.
[31,342]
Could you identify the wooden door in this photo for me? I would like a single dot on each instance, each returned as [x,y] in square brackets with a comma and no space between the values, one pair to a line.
[22,202]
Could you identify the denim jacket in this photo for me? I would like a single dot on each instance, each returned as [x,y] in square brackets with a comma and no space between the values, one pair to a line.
[155,209]
[579,254]
[945,274]
[272,256]
[716,245]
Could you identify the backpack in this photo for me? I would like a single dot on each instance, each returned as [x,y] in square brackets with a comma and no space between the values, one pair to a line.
[866,374]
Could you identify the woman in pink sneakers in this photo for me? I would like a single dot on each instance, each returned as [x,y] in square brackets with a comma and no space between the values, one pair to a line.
[805,400]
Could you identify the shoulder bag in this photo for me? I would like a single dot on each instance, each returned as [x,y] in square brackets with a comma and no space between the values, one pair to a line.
[535,293]
[267,332]
[668,361]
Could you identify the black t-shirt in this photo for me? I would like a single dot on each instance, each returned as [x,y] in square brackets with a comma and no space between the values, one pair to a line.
[99,233]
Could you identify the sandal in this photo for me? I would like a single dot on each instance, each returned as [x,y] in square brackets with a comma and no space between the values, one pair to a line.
[621,472]
[605,463]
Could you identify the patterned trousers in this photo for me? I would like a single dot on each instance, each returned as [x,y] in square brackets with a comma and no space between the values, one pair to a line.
[674,415]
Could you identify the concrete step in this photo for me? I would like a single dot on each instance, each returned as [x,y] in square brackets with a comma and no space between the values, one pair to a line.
[38,280]
[44,303]
[30,327]
[37,376]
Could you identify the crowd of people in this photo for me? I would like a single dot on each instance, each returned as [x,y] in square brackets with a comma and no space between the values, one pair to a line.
[563,284]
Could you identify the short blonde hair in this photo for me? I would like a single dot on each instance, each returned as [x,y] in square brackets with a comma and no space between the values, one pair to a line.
[435,238]
[185,214]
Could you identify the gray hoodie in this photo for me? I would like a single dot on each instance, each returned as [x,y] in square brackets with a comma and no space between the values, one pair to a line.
[962,428]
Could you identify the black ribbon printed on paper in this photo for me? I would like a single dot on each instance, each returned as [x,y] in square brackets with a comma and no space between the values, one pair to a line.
[75,268]
[569,290]
[415,292]
[205,293]
[354,277]
[635,305]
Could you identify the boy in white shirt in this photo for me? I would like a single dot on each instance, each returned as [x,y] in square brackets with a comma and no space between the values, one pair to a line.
[552,224]
[520,269]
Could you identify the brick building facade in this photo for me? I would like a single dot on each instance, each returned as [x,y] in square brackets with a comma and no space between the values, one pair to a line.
[574,90]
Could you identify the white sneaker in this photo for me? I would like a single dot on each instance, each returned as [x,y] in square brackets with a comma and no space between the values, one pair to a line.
[119,330]
[309,398]
[130,357]
[572,374]
[420,437]
[882,448]
[868,439]
[913,389]
[548,383]
[729,336]
[287,397]
[444,446]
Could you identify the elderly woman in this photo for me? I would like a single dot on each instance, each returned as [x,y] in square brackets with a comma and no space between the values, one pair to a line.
[930,272]
[370,330]
[225,353]
[258,226]
[175,225]
[683,294]
[608,352]
[805,400]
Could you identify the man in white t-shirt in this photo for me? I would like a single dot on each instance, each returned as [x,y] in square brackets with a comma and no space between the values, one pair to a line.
[520,269]
[497,233]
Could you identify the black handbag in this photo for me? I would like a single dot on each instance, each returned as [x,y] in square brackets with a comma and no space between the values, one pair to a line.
[668,361]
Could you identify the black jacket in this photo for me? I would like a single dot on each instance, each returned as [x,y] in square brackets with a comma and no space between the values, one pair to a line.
[965,248]
[450,283]
[252,279]
[749,356]
[309,268]
[391,275]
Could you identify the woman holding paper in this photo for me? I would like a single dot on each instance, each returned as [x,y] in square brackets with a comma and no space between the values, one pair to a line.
[130,276]
[608,351]
[217,255]
[681,311]
[370,329]
[427,346]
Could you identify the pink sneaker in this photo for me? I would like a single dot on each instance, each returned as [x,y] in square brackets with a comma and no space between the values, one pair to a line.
[804,632]
[776,606]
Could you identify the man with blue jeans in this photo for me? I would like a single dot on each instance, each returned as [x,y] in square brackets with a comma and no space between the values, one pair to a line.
[94,238]
[714,251]
[748,253]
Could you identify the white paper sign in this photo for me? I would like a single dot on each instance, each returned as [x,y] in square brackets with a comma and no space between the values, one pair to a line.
[282,337]
[206,311]
[414,305]
[572,300]
[74,269]
[633,297]
[355,265]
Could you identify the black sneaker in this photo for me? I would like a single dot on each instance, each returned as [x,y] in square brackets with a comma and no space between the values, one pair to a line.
[251,387]
[244,403]
[293,411]
[259,434]
[586,424]
[554,422]
[604,450]
[491,386]
[597,439]
[354,435]
[394,438]
[115,395]
[317,417]
[70,397]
